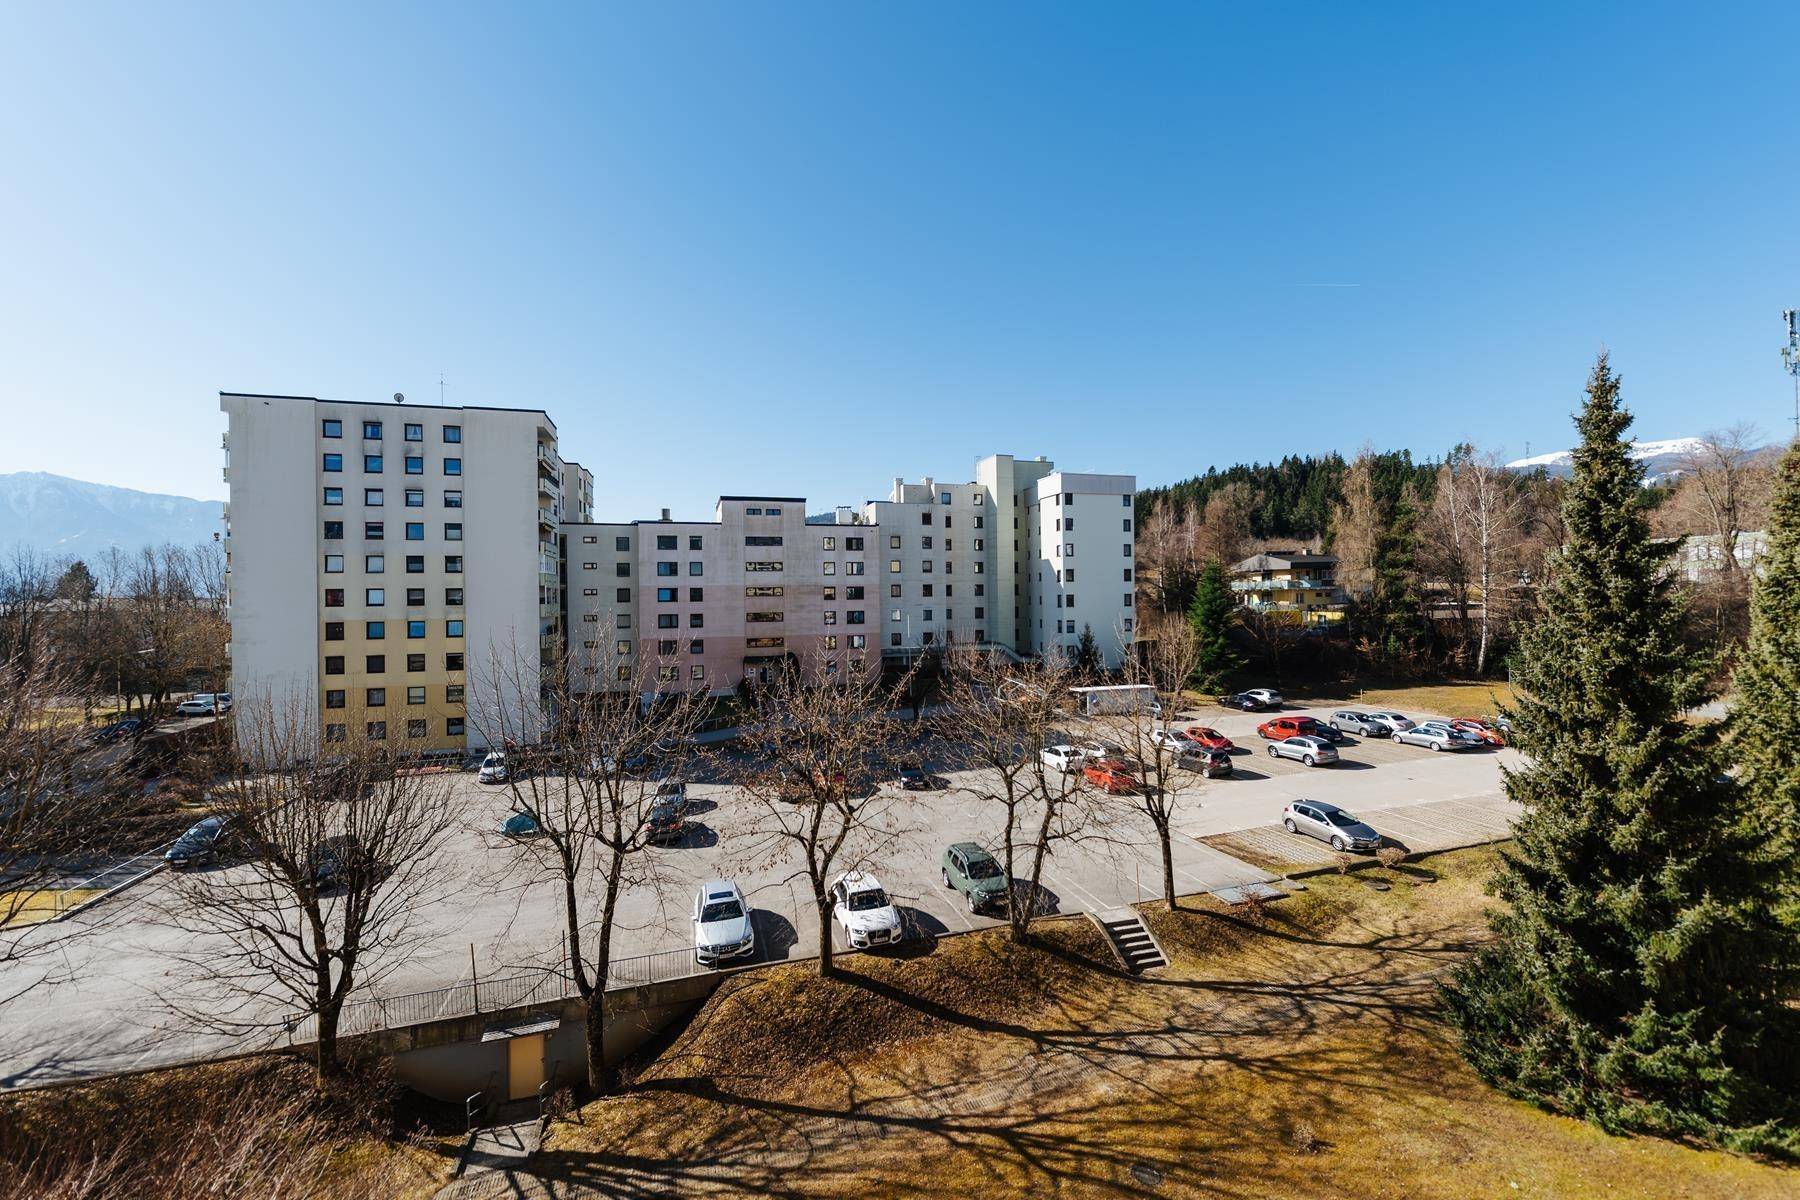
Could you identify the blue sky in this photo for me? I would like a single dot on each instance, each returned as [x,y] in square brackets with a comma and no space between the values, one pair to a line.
[1132,238]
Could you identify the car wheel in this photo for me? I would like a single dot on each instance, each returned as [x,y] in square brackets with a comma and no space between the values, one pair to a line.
[1291,827]
[1272,753]
[974,905]
[1308,760]
[1436,746]
[1337,843]
[946,874]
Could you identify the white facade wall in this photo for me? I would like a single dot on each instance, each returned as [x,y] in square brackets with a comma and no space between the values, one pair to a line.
[1082,570]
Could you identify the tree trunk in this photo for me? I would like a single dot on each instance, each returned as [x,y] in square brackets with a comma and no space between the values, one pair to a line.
[601,1077]
[325,1055]
[1168,864]
[827,964]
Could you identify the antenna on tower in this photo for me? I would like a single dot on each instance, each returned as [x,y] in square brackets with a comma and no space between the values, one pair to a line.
[440,388]
[1790,358]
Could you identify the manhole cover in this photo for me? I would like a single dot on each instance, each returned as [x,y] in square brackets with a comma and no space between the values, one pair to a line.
[1148,1174]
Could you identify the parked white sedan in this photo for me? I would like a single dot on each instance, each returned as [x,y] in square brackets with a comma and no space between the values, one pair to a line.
[722,923]
[1066,759]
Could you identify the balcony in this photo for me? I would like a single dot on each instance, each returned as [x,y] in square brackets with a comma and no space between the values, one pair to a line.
[1298,584]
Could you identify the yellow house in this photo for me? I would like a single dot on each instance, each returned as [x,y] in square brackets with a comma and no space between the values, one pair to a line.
[1291,584]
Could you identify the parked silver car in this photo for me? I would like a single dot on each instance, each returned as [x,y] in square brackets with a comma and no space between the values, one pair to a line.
[1329,823]
[1434,737]
[1308,749]
[1469,739]
[1393,721]
[1349,720]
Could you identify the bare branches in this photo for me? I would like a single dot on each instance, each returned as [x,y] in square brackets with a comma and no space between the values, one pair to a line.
[1165,664]
[331,864]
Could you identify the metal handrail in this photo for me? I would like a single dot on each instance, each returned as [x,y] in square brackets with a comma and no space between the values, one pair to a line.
[471,1106]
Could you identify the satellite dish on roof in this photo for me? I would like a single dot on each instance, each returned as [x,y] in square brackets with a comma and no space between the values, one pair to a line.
[399,397]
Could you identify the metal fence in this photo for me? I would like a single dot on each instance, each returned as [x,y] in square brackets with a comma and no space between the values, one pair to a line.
[542,985]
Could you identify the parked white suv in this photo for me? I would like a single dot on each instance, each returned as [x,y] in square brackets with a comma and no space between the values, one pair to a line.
[861,908]
[722,924]
[1066,759]
[493,769]
[1268,696]
[204,704]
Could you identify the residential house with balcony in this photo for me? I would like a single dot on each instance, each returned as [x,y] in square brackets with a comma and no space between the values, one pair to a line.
[1293,585]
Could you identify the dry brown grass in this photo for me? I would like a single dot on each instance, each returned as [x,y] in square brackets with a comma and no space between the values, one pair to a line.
[1289,1050]
[41,904]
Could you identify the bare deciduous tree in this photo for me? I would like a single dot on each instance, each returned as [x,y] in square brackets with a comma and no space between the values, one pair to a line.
[816,769]
[1357,523]
[1164,661]
[590,789]
[1224,533]
[997,719]
[330,865]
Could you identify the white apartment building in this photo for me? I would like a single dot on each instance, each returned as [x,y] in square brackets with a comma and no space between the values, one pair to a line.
[412,568]
[398,562]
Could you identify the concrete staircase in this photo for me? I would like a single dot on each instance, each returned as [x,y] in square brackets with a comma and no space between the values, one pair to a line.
[1130,939]
[491,1160]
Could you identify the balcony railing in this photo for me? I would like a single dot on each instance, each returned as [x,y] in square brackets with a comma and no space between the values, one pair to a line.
[1283,585]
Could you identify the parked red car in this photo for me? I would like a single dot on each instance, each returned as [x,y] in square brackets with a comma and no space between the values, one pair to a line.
[1207,739]
[1280,728]
[1483,729]
[1111,776]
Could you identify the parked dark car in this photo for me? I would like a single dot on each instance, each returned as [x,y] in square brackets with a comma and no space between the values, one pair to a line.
[665,822]
[1210,763]
[198,846]
[1246,702]
[338,860]
[915,779]
[130,727]
[977,875]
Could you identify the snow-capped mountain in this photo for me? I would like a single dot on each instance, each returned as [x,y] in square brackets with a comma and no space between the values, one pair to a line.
[1662,459]
[69,517]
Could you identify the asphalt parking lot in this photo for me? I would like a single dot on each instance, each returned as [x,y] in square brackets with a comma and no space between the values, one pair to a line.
[499,917]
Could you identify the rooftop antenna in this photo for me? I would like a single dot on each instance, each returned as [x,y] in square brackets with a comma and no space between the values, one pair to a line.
[1790,358]
[399,397]
[440,389]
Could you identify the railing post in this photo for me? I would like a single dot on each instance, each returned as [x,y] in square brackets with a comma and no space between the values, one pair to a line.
[474,979]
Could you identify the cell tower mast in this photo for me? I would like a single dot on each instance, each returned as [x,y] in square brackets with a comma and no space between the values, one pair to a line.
[1790,358]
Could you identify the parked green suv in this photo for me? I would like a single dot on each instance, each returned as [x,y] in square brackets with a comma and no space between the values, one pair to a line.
[976,874]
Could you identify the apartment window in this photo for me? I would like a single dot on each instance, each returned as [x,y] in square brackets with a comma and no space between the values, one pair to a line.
[978,522]
[893,566]
[1127,549]
[334,495]
[375,664]
[668,646]
[334,531]
[334,564]
[1069,550]
[334,664]
[334,462]
[894,590]
[453,564]
[668,620]
[621,544]
[623,672]
[372,430]
[1067,576]
[926,566]
[925,542]
[415,728]
[853,592]
[1068,497]
[415,565]
[415,498]
[415,433]
[1069,525]
[894,542]
[772,512]
[697,646]
[893,639]
[453,662]
[453,531]
[829,568]
[925,590]
[928,614]
[415,464]
[831,593]
[590,617]
[696,620]
[623,621]
[334,698]
[943,497]
[980,569]
[415,531]
[588,566]
[853,543]
[830,616]
[453,433]
[332,429]
[334,597]
[980,612]
[696,595]
[830,640]
[375,564]
[415,629]
[453,499]
[755,590]
[665,541]
[587,539]
[980,545]
[853,617]
[372,464]
[693,541]
[453,597]
[622,647]
[377,731]
[334,631]
[697,671]
[1126,603]
[762,566]
[1127,499]
[334,733]
[1127,624]
[1127,524]
[453,466]
[453,726]
[415,663]
[623,596]
[981,588]
[453,693]
[666,569]
[829,543]
[924,518]
[1127,574]
[853,568]
[764,617]
[375,697]
[859,641]
[666,595]
[668,674]
[622,570]
[696,568]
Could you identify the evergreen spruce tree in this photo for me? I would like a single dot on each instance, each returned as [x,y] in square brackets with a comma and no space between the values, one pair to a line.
[1210,616]
[1766,718]
[1087,654]
[1633,978]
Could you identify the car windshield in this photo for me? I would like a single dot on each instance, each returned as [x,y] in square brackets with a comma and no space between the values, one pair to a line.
[722,910]
[983,868]
[864,901]
[1341,819]
[662,813]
